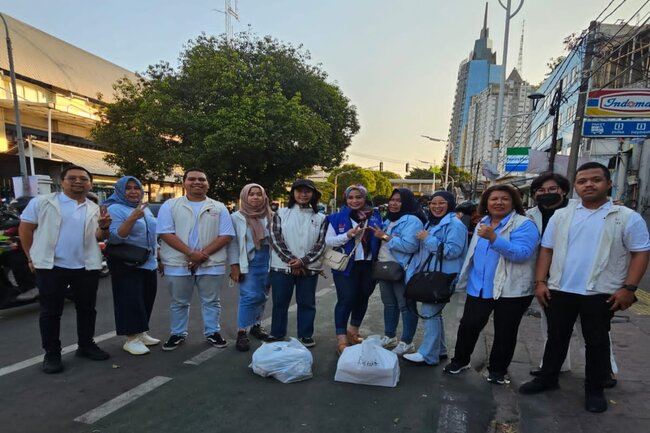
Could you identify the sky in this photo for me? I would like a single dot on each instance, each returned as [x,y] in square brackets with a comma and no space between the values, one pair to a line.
[397,61]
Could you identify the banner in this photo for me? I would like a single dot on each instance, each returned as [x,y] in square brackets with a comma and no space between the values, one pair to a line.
[517,159]
[618,103]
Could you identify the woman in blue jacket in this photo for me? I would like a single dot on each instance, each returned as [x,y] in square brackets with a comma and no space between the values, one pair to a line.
[348,230]
[403,220]
[443,227]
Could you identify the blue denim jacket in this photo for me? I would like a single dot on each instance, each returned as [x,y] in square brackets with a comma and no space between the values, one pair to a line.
[453,233]
[403,243]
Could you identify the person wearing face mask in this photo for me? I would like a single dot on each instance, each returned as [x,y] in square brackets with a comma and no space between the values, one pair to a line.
[550,191]
[443,227]
[298,241]
[349,230]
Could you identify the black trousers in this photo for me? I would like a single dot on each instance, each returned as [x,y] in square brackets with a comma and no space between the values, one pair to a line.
[595,316]
[53,285]
[507,316]
[134,293]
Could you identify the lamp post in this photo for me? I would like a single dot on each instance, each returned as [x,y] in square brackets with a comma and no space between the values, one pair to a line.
[19,129]
[432,165]
[448,150]
[502,81]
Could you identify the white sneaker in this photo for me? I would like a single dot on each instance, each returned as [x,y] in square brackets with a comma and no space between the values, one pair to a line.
[28,295]
[388,342]
[403,348]
[135,347]
[415,357]
[148,340]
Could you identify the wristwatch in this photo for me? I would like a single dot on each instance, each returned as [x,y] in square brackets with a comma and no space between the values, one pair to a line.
[630,287]
[385,238]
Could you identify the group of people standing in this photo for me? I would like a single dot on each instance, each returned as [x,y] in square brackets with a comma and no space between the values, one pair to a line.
[593,254]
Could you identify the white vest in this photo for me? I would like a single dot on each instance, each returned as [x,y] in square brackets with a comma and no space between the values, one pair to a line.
[300,230]
[47,234]
[183,216]
[612,258]
[511,280]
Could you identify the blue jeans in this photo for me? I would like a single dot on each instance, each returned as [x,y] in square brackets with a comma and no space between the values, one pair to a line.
[352,294]
[392,295]
[181,288]
[134,293]
[433,343]
[281,291]
[253,291]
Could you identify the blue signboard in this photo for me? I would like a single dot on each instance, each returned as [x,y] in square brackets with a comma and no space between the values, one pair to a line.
[616,128]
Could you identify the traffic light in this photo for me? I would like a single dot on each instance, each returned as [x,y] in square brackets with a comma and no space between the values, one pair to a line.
[381,166]
[407,167]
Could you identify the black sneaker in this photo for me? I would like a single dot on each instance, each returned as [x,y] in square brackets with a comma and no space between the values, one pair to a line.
[173,342]
[307,341]
[497,378]
[216,340]
[259,332]
[92,351]
[52,363]
[243,343]
[595,401]
[455,367]
[273,339]
[536,386]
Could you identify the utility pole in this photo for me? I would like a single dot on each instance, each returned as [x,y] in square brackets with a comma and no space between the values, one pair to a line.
[555,112]
[582,101]
[502,82]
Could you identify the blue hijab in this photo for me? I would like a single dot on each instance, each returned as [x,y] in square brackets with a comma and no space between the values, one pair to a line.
[119,194]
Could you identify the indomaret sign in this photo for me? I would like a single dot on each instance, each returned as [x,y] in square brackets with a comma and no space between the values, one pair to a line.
[619,103]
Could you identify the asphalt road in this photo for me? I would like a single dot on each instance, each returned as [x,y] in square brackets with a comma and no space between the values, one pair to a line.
[199,388]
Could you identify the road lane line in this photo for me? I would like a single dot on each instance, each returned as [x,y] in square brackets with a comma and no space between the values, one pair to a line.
[209,353]
[122,400]
[39,358]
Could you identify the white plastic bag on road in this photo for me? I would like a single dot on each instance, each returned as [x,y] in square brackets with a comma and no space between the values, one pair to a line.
[287,361]
[368,364]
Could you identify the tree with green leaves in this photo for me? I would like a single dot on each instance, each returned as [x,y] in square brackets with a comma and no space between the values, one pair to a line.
[349,174]
[248,110]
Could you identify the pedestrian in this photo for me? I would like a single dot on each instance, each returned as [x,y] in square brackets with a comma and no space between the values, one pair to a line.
[59,234]
[592,258]
[348,230]
[443,227]
[498,276]
[298,241]
[249,257]
[404,218]
[134,287]
[194,231]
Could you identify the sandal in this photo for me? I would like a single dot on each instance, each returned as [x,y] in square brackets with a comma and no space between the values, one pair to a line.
[354,339]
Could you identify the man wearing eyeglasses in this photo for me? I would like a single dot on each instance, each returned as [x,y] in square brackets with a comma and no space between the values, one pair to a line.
[59,234]
[194,229]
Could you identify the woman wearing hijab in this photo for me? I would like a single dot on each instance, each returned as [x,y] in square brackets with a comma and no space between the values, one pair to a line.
[404,219]
[134,288]
[444,228]
[348,230]
[249,256]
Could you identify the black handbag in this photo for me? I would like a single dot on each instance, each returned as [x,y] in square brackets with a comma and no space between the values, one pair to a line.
[431,287]
[387,271]
[127,254]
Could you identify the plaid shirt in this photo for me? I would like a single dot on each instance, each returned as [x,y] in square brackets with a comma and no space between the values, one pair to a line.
[282,250]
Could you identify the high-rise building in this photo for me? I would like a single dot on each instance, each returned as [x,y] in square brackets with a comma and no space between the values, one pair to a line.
[475,74]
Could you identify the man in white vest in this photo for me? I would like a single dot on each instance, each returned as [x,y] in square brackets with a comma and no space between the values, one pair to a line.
[593,255]
[59,234]
[194,229]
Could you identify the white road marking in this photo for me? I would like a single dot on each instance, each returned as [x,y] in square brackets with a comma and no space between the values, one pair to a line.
[39,358]
[452,418]
[122,400]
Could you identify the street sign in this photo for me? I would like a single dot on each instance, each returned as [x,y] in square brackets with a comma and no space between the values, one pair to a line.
[618,103]
[517,159]
[616,128]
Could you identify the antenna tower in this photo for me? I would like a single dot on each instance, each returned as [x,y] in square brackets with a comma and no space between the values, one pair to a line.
[520,60]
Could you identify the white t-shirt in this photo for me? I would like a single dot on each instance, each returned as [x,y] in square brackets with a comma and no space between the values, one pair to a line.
[166,225]
[583,244]
[69,249]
